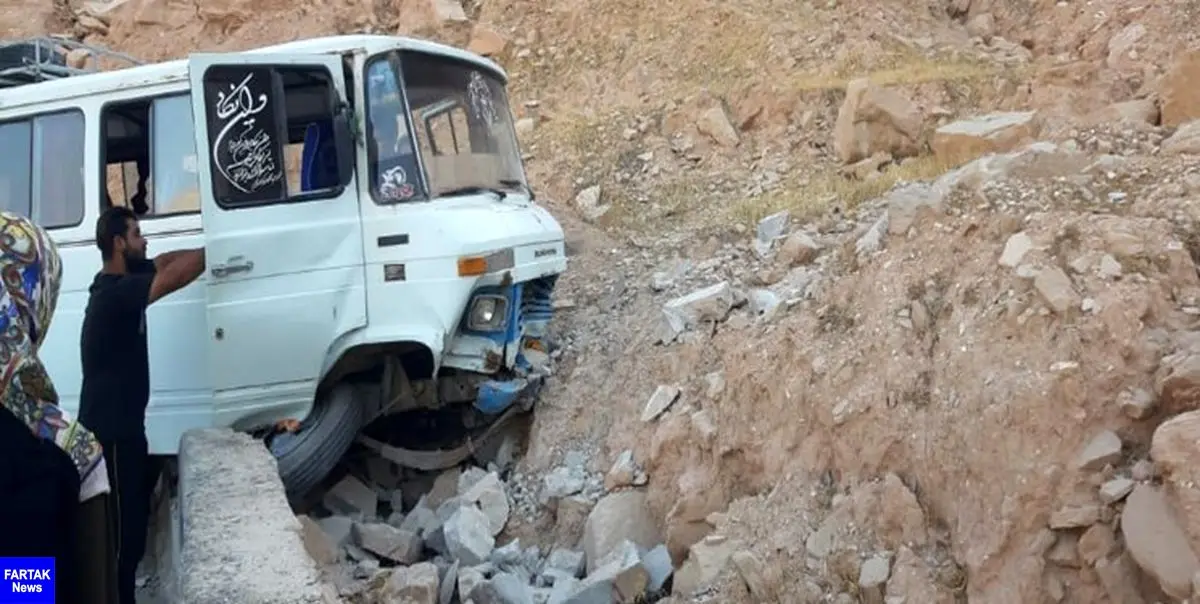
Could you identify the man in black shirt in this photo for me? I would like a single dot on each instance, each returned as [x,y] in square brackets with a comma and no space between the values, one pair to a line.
[116,372]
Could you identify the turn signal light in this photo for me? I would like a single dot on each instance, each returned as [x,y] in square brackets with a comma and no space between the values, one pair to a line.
[472,266]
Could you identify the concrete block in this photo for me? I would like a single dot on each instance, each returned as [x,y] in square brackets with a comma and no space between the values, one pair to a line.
[241,543]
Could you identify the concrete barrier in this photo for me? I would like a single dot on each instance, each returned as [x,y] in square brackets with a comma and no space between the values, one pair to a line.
[233,538]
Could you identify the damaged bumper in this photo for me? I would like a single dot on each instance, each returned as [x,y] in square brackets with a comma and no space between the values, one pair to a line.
[515,353]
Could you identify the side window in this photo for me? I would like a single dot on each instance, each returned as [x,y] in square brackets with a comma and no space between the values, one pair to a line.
[16,146]
[150,156]
[175,177]
[41,175]
[271,133]
[393,167]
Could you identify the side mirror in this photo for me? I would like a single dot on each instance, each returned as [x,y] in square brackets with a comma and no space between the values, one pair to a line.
[343,140]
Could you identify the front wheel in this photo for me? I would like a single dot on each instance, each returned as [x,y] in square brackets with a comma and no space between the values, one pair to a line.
[307,456]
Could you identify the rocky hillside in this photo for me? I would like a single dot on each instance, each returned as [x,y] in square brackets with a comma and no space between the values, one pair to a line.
[869,301]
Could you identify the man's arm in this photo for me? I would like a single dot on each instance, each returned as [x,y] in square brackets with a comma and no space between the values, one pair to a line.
[181,268]
[166,258]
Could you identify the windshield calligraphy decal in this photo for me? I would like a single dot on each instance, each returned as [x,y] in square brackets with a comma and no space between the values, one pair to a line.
[479,95]
[242,151]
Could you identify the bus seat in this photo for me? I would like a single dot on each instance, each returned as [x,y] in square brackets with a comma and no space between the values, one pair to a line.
[318,163]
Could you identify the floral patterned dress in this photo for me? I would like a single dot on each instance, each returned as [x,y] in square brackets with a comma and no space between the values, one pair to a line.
[31,271]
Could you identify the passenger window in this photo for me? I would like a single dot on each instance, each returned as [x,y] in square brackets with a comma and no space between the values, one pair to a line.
[16,143]
[41,175]
[175,177]
[271,133]
[150,156]
[58,163]
[448,132]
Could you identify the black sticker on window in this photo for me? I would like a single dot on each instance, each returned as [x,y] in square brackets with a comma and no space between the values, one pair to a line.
[243,131]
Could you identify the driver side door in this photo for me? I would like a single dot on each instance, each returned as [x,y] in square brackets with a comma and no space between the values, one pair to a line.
[281,226]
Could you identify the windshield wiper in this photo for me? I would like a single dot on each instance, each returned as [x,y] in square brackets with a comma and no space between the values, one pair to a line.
[512,182]
[501,193]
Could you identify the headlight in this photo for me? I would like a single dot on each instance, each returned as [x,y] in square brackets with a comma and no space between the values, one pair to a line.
[488,313]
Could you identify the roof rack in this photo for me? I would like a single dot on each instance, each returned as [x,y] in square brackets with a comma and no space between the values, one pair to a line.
[44,58]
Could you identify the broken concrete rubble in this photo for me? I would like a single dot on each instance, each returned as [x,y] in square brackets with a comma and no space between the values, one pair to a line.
[714,123]
[416,584]
[1136,403]
[468,536]
[1075,516]
[662,399]
[1056,290]
[1015,249]
[1104,449]
[617,517]
[907,202]
[389,542]
[443,548]
[352,498]
[708,305]
[317,542]
[756,576]
[620,573]
[872,578]
[770,229]
[705,561]
[798,248]
[489,495]
[1115,490]
[625,472]
[503,588]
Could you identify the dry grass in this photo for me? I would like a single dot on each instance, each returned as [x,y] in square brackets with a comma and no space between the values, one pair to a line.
[913,69]
[726,63]
[575,145]
[573,133]
[817,195]
[683,198]
[726,51]
[691,199]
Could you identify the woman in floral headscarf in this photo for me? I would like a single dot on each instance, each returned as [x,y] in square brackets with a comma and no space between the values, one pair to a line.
[48,463]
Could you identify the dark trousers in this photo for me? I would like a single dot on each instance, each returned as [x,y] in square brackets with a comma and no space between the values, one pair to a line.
[39,500]
[132,474]
[95,560]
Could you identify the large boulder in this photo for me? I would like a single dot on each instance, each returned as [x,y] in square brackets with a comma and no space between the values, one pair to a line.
[874,119]
[1178,93]
[1185,140]
[980,135]
[1156,541]
[1174,451]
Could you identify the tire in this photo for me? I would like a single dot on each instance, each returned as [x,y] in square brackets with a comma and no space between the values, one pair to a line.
[308,456]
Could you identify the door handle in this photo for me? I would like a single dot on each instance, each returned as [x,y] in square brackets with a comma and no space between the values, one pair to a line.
[237,264]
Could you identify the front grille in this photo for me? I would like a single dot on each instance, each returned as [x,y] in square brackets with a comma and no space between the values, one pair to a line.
[537,306]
